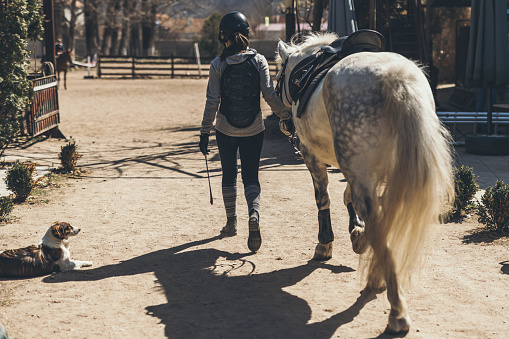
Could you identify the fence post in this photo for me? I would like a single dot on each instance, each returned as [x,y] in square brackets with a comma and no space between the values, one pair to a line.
[133,71]
[197,52]
[172,66]
[99,66]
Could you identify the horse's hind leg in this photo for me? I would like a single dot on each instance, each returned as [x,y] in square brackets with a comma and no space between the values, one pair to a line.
[355,225]
[65,79]
[382,270]
[399,321]
[318,172]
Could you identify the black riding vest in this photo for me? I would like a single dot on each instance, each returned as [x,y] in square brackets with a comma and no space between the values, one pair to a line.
[240,93]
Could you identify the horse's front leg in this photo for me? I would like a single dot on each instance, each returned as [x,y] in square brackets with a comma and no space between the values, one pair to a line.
[65,79]
[355,225]
[318,172]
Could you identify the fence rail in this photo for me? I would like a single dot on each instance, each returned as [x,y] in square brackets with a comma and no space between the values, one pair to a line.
[156,66]
[473,120]
[43,113]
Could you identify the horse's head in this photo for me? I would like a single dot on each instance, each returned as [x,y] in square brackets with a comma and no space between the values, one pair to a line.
[289,55]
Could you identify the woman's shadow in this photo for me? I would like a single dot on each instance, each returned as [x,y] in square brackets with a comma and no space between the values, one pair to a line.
[207,300]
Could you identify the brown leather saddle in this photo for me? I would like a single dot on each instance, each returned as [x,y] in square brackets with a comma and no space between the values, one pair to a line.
[309,72]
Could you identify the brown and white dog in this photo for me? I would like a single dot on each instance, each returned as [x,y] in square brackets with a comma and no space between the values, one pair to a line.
[50,255]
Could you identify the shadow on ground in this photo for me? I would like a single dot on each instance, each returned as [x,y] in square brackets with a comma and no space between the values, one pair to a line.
[206,299]
[482,236]
[505,267]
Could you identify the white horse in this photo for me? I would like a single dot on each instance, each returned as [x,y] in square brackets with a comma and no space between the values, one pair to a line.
[373,116]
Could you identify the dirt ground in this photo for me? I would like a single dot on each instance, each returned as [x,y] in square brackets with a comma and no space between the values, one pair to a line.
[159,267]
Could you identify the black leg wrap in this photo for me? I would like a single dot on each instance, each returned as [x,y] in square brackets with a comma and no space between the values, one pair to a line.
[354,218]
[325,234]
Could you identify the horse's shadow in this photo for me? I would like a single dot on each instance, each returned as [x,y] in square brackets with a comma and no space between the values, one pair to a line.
[204,301]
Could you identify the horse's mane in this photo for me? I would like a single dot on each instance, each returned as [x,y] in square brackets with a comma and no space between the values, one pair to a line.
[310,42]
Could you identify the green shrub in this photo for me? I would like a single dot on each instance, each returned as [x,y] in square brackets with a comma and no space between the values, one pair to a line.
[69,157]
[19,21]
[494,210]
[19,180]
[465,187]
[6,206]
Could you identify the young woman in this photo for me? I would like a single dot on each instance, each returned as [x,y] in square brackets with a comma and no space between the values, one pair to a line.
[236,79]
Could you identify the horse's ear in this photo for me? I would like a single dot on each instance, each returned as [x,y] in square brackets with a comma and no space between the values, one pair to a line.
[282,48]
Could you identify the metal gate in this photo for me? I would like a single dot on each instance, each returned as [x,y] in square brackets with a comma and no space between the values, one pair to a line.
[43,113]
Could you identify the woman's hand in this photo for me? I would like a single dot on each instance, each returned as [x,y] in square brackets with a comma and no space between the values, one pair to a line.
[204,143]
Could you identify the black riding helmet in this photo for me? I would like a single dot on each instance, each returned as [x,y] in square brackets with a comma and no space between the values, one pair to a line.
[231,23]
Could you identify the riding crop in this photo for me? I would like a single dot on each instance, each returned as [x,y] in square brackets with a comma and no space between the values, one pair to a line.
[208,177]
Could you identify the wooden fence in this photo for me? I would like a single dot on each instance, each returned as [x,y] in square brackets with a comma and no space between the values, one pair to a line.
[156,66]
[43,114]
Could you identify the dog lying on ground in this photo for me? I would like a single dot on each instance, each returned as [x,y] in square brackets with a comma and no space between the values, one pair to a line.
[50,255]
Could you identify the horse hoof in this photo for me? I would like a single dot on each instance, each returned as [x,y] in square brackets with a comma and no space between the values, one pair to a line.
[323,252]
[374,289]
[398,324]
[359,242]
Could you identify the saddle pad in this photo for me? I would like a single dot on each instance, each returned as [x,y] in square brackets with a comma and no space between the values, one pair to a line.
[303,101]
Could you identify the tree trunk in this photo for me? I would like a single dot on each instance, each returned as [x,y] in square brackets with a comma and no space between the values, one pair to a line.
[106,41]
[72,25]
[110,22]
[125,38]
[114,42]
[317,14]
[59,19]
[137,39]
[126,43]
[116,28]
[149,31]
[91,27]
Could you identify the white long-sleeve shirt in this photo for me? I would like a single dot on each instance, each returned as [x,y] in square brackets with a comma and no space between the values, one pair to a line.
[211,113]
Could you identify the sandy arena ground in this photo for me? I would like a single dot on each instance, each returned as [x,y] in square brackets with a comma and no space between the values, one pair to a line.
[159,267]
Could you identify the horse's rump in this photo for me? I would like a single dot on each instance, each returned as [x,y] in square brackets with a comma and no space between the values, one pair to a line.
[386,130]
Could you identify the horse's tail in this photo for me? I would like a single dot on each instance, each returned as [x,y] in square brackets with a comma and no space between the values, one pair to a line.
[419,183]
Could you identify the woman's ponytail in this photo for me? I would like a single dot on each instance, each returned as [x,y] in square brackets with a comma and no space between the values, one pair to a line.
[238,43]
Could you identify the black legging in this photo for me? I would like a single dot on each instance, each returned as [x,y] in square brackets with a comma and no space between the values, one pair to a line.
[250,149]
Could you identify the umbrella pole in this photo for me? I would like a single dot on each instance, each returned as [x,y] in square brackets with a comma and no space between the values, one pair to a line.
[490,90]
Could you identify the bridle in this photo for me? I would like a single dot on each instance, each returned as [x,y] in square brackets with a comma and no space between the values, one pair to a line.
[280,88]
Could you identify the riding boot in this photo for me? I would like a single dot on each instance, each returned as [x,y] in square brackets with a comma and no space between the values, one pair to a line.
[230,200]
[255,239]
[252,193]
[230,205]
[230,229]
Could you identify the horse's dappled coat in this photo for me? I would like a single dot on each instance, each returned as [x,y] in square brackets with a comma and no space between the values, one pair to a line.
[373,115]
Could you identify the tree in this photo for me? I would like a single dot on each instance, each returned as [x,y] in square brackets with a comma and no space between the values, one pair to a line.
[20,20]
[209,43]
